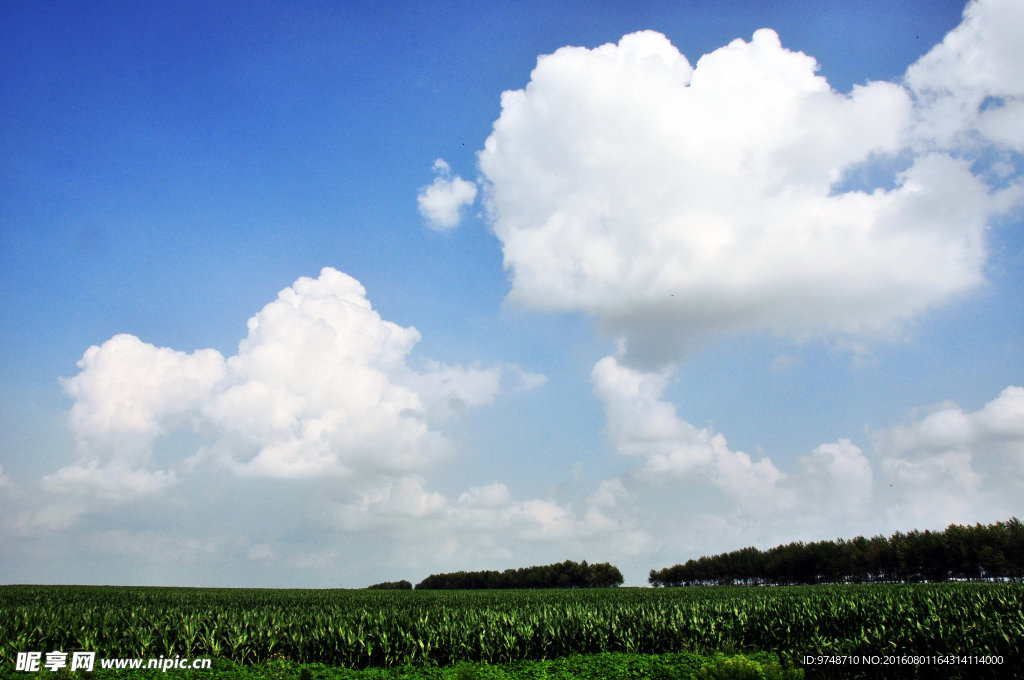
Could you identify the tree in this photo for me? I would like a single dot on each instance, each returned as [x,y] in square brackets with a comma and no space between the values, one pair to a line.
[566,574]
[993,551]
[391,585]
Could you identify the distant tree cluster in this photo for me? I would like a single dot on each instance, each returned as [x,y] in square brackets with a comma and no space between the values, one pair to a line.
[994,551]
[391,585]
[566,574]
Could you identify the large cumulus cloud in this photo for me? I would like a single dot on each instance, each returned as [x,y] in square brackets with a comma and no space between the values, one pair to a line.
[677,202]
[320,386]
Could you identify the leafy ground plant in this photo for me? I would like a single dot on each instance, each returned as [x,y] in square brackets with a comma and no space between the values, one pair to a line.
[602,666]
[745,668]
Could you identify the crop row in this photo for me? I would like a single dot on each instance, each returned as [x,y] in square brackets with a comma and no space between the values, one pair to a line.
[358,629]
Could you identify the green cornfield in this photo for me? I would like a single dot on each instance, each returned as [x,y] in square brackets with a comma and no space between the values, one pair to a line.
[364,628]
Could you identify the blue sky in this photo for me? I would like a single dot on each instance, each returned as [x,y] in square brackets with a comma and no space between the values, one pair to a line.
[664,306]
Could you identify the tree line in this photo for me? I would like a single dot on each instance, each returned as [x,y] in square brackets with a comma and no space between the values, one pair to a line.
[980,552]
[566,574]
[391,585]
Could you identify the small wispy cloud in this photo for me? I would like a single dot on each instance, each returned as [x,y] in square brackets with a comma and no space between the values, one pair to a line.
[786,362]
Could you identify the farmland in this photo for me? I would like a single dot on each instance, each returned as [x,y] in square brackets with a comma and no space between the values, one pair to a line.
[382,628]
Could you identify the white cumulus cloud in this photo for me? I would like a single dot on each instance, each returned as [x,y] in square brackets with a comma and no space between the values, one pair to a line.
[950,465]
[441,201]
[836,480]
[643,425]
[133,391]
[320,386]
[676,202]
[316,388]
[972,82]
[388,502]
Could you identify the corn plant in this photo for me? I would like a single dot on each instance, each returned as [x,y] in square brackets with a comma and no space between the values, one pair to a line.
[358,629]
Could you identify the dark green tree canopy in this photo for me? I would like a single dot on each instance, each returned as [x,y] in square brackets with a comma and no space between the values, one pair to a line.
[566,574]
[391,585]
[989,552]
